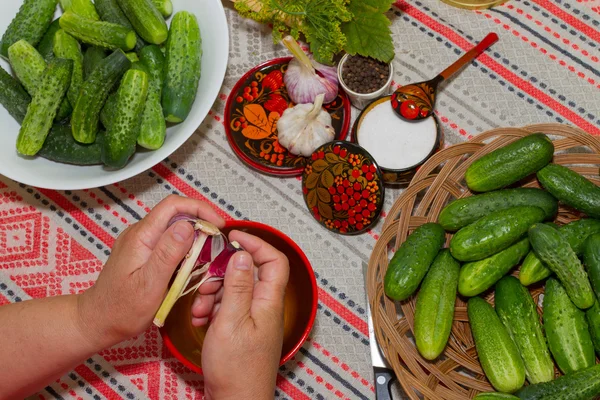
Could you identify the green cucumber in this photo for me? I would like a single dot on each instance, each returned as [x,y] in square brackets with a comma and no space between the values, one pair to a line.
[66,46]
[592,316]
[46,45]
[153,127]
[533,270]
[497,353]
[98,33]
[465,211]
[518,313]
[30,24]
[478,276]
[121,137]
[571,188]
[29,66]
[93,94]
[183,67]
[566,329]
[109,110]
[13,97]
[510,164]
[85,8]
[591,259]
[133,57]
[44,106]
[557,255]
[61,147]
[494,396]
[146,20]
[165,7]
[110,11]
[494,232]
[92,57]
[412,260]
[580,385]
[434,309]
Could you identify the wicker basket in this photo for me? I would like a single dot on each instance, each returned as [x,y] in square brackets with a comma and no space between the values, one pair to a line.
[457,374]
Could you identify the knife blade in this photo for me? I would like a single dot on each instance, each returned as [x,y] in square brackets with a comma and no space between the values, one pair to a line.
[383,373]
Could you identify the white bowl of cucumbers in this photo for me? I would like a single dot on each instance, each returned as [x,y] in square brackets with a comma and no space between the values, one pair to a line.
[97,91]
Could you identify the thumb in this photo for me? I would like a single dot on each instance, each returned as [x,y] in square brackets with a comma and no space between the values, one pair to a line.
[238,288]
[171,248]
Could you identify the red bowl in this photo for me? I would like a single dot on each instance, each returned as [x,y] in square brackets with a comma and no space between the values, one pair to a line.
[185,341]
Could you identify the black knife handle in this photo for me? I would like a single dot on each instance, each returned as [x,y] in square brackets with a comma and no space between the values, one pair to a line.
[383,381]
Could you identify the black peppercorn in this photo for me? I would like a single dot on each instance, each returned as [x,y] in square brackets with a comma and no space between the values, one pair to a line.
[364,75]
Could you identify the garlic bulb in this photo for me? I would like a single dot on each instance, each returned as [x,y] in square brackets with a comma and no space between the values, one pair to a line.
[305,127]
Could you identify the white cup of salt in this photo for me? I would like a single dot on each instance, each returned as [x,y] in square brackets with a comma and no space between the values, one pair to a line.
[398,146]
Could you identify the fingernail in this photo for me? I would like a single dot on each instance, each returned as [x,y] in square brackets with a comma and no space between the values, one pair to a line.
[182,231]
[242,261]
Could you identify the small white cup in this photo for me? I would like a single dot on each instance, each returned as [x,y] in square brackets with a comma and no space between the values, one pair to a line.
[360,100]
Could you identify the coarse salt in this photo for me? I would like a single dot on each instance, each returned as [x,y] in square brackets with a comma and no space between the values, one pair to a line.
[393,142]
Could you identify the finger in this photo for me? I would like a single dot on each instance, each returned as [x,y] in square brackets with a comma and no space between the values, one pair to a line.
[215,310]
[203,305]
[151,227]
[171,248]
[273,271]
[198,322]
[210,287]
[219,295]
[238,288]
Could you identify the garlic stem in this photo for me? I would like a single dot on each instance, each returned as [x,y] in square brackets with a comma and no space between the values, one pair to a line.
[317,106]
[180,281]
[297,51]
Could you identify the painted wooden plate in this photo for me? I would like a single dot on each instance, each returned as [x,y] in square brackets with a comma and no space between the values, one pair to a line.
[343,188]
[255,104]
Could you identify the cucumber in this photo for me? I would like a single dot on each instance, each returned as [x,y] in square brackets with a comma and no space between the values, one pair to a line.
[465,211]
[61,147]
[165,7]
[85,8]
[121,137]
[567,330]
[434,309]
[580,385]
[533,270]
[46,45]
[183,66]
[44,106]
[510,164]
[571,188]
[497,352]
[518,313]
[110,11]
[92,57]
[109,110]
[30,24]
[13,97]
[98,33]
[592,316]
[66,46]
[494,396]
[558,256]
[494,232]
[478,276]
[411,261]
[146,20]
[153,127]
[591,259]
[29,66]
[93,94]
[132,56]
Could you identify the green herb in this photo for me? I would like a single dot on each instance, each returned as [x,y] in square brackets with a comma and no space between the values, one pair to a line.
[329,26]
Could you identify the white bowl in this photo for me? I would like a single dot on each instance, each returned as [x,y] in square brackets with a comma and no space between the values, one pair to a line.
[360,100]
[46,174]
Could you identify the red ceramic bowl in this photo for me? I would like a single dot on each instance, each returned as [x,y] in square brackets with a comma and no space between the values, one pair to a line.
[185,341]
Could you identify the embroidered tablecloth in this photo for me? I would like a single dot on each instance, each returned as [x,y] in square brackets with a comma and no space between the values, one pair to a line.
[544,69]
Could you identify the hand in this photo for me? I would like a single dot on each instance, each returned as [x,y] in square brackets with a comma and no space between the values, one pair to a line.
[133,283]
[242,348]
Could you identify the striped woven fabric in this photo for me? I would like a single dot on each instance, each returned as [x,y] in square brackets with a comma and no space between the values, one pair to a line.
[545,68]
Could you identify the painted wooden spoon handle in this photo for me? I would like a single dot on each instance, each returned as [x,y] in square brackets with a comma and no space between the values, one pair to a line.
[470,55]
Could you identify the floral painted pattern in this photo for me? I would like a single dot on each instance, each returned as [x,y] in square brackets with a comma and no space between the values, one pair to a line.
[258,101]
[343,188]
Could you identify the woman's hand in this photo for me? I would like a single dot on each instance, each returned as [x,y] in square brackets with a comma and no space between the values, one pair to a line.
[135,278]
[242,348]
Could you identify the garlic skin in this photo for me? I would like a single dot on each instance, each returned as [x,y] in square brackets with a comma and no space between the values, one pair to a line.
[305,127]
[305,78]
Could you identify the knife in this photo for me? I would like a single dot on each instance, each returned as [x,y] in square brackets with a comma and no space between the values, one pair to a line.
[384,375]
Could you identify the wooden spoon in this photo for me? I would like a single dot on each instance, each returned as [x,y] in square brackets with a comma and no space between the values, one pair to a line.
[415,101]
